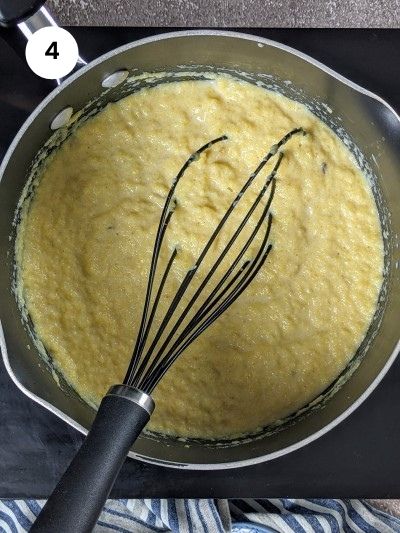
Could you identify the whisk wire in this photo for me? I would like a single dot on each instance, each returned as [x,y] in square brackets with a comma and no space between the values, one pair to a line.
[206,305]
[190,274]
[165,218]
[145,375]
[246,274]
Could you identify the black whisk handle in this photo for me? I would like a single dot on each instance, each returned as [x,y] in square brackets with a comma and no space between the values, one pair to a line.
[81,493]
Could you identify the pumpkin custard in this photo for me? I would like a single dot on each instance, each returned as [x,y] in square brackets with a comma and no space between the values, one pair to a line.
[85,242]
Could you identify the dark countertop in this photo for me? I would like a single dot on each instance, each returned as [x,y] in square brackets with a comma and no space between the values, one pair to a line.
[359,458]
[230,13]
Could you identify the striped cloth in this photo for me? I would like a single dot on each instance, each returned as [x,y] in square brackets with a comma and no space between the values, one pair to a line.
[219,516]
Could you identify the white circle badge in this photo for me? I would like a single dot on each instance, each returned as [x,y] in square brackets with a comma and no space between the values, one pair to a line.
[51,52]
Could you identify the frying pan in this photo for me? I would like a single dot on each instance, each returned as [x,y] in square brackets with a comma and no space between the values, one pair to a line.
[366,123]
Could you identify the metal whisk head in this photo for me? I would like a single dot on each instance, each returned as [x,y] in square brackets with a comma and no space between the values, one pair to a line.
[148,365]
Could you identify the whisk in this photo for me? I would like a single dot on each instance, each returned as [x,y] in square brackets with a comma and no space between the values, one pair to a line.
[79,497]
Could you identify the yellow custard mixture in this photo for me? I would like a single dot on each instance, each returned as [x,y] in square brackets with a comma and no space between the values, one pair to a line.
[85,243]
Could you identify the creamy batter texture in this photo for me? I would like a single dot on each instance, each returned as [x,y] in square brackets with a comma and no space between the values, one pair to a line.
[85,243]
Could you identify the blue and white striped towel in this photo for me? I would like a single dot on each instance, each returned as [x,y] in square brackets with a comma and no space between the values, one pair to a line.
[219,516]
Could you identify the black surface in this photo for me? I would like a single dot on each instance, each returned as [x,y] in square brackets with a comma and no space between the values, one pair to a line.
[359,458]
